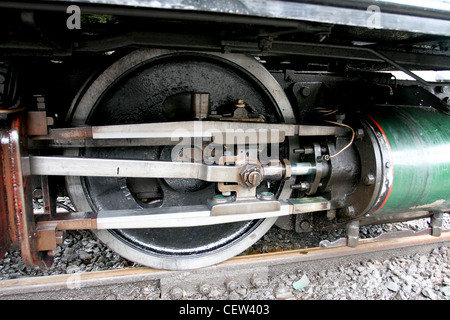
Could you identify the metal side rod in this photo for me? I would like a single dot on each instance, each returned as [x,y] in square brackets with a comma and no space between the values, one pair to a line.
[173,217]
[217,130]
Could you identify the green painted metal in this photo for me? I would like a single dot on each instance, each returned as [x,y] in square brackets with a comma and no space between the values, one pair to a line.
[419,140]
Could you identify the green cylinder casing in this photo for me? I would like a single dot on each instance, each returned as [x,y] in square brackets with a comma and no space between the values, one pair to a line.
[418,161]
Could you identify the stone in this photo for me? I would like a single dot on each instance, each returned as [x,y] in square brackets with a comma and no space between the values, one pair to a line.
[83,255]
[215,293]
[73,268]
[282,292]
[429,293]
[412,269]
[446,291]
[204,289]
[176,293]
[391,285]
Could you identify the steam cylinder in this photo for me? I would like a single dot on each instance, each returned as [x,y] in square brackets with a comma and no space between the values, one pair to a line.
[415,160]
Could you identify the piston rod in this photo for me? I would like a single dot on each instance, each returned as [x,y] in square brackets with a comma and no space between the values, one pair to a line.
[303,168]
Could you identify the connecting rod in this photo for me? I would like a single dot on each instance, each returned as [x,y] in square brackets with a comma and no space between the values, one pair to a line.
[67,166]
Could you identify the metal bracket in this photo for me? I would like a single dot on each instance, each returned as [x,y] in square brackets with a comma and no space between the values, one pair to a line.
[321,171]
[243,206]
[351,240]
[353,233]
[48,238]
[436,224]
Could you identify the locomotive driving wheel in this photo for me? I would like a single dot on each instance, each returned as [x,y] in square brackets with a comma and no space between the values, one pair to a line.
[136,89]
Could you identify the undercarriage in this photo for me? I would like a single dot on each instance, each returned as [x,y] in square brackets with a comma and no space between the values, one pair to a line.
[182,135]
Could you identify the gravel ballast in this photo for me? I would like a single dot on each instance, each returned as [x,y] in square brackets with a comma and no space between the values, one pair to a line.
[414,276]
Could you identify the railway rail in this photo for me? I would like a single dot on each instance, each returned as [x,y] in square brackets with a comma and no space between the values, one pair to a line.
[253,270]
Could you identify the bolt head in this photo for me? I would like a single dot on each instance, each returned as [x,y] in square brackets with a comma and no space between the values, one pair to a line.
[359,133]
[306,91]
[255,178]
[252,176]
[37,193]
[369,179]
[347,211]
[305,225]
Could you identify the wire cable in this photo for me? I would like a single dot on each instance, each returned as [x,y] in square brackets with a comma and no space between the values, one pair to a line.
[351,141]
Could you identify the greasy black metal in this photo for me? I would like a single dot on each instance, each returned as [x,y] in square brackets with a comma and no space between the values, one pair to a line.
[399,67]
[146,91]
[419,96]
[8,86]
[365,195]
[344,174]
[348,52]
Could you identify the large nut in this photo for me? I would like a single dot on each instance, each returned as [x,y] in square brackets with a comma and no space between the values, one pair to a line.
[252,175]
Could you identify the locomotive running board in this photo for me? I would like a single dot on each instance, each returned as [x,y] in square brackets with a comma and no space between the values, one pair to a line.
[171,217]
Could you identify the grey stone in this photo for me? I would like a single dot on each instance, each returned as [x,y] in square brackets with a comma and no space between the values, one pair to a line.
[391,285]
[429,293]
[446,291]
[83,255]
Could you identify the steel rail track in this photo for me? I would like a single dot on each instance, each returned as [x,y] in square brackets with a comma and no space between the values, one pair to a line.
[250,269]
